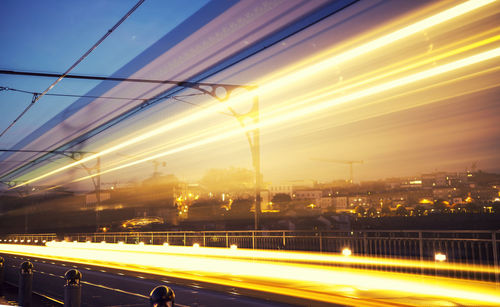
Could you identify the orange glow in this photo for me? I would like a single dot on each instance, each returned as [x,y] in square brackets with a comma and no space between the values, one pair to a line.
[426,201]
[291,278]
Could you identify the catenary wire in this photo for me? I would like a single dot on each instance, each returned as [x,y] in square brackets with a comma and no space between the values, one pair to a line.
[37,97]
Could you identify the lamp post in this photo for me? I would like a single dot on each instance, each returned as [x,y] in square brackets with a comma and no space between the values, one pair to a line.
[253,137]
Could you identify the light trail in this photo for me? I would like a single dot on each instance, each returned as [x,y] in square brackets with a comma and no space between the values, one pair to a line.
[378,43]
[272,255]
[323,93]
[269,120]
[273,84]
[323,283]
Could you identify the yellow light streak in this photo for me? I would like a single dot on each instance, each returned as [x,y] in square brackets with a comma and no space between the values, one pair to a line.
[285,81]
[303,257]
[319,94]
[321,283]
[310,97]
[307,111]
[422,89]
[378,43]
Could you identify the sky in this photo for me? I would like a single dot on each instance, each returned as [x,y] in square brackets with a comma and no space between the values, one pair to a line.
[50,36]
[314,102]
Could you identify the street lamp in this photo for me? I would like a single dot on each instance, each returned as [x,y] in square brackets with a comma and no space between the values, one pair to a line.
[252,117]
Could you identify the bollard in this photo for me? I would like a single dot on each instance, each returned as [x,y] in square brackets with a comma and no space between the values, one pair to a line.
[162,296]
[2,264]
[73,288]
[25,284]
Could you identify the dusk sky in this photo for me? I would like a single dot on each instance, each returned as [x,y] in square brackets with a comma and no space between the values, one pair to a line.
[427,101]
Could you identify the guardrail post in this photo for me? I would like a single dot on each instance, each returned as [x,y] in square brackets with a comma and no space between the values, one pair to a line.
[320,242]
[495,256]
[25,284]
[162,296]
[73,288]
[2,265]
[421,251]
[253,239]
[365,243]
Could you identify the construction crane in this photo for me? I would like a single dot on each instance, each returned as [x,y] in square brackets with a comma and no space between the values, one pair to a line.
[156,165]
[350,162]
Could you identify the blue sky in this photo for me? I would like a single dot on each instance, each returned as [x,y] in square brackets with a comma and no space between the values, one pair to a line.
[49,36]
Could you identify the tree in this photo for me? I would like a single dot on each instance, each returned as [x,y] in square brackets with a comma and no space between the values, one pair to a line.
[241,207]
[474,207]
[281,198]
[401,211]
[419,210]
[496,207]
[440,206]
[359,210]
[371,212]
[386,210]
[204,210]
[233,180]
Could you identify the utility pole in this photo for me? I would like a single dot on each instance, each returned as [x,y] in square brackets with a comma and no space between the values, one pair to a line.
[74,155]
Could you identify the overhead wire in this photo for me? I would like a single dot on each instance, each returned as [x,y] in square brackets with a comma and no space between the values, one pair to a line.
[36,97]
[4,88]
[70,95]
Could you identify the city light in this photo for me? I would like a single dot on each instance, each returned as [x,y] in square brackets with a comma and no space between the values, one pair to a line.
[440,257]
[346,251]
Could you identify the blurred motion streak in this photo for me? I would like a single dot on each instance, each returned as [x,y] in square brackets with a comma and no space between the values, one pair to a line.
[282,80]
[281,117]
[290,277]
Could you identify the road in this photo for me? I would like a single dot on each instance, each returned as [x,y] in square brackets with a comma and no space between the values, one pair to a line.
[279,276]
[113,287]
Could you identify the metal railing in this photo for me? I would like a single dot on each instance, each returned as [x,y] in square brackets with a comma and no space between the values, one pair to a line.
[471,248]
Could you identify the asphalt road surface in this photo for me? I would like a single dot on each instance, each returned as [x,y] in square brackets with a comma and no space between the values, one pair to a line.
[111,287]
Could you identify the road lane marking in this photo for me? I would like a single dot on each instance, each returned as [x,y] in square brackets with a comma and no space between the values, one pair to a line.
[123,291]
[49,298]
